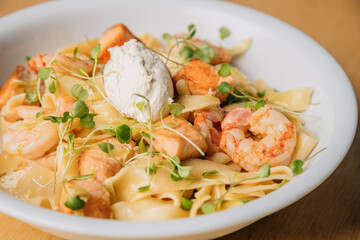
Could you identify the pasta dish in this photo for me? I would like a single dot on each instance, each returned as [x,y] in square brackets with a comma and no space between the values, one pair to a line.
[131,128]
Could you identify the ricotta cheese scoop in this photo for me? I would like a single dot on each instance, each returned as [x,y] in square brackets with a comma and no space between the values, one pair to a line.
[133,68]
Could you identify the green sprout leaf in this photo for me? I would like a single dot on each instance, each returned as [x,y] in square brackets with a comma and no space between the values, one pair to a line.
[212,172]
[224,32]
[71,138]
[184,171]
[78,92]
[186,204]
[95,51]
[74,202]
[175,108]
[186,53]
[144,134]
[53,119]
[296,166]
[204,53]
[144,188]
[225,70]
[38,114]
[87,121]
[247,105]
[123,133]
[191,31]
[106,147]
[79,109]
[262,93]
[111,131]
[260,104]
[167,37]
[152,169]
[224,87]
[52,87]
[234,99]
[208,208]
[27,58]
[82,71]
[176,159]
[32,97]
[66,117]
[142,146]
[140,106]
[264,170]
[246,201]
[75,52]
[44,73]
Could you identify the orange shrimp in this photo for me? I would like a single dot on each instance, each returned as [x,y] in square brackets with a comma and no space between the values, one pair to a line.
[253,139]
[204,121]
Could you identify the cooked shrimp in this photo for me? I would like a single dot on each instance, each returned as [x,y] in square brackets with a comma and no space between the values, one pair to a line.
[253,139]
[202,79]
[103,165]
[47,160]
[69,63]
[11,87]
[204,121]
[31,138]
[22,112]
[115,36]
[97,202]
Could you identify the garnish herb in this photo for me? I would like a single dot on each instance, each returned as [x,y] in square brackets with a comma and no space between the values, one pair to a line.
[32,96]
[52,87]
[74,202]
[106,147]
[264,170]
[260,104]
[123,133]
[27,58]
[78,92]
[208,208]
[225,70]
[186,204]
[296,166]
[224,32]
[144,188]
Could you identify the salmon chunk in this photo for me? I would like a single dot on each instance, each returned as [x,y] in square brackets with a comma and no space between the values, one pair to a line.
[11,87]
[173,144]
[221,54]
[97,202]
[202,79]
[65,63]
[115,36]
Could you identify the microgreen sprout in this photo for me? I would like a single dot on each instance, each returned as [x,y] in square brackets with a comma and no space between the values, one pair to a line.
[105,147]
[225,70]
[74,202]
[224,32]
[32,97]
[166,37]
[27,58]
[52,87]
[186,204]
[188,50]
[78,92]
[144,188]
[264,170]
[123,133]
[208,208]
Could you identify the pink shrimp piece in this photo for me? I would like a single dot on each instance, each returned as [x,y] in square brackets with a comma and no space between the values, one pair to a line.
[253,139]
[205,120]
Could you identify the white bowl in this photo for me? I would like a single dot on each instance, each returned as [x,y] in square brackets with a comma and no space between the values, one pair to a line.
[280,54]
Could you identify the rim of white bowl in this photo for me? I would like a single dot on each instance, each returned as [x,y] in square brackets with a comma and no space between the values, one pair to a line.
[252,211]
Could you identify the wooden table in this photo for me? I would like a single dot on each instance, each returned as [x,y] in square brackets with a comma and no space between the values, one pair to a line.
[332,211]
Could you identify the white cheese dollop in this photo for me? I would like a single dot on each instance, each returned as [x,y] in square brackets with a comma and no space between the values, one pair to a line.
[133,68]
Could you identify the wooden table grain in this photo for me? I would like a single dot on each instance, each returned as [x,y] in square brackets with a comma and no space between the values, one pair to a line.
[331,211]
